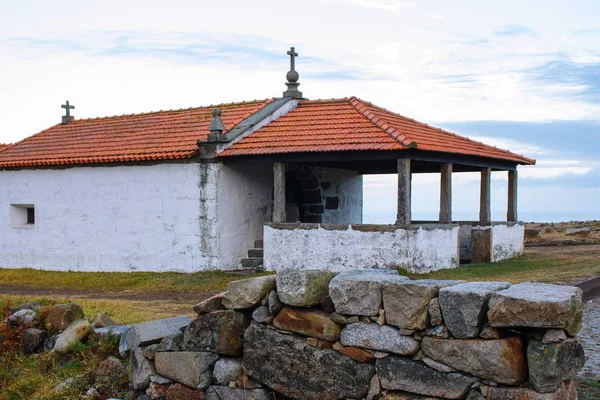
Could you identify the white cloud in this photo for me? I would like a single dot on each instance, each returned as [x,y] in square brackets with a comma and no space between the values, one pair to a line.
[387,5]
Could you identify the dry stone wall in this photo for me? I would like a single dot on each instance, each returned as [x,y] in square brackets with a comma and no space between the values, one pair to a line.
[367,334]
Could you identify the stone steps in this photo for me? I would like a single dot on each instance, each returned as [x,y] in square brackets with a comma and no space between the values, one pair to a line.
[255,257]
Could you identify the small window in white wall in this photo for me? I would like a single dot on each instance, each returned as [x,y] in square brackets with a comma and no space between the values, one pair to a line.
[22,215]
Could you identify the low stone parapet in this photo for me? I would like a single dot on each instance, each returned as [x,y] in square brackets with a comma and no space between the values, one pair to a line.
[418,249]
[371,334]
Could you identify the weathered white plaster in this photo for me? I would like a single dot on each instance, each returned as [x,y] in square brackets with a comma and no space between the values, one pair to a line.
[418,249]
[126,218]
[244,201]
[347,186]
[507,240]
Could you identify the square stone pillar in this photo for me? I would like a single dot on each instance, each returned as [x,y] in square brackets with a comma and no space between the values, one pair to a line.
[485,213]
[279,192]
[404,187]
[511,213]
[446,194]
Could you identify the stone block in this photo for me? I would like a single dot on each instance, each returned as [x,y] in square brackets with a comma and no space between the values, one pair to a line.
[77,331]
[116,331]
[261,314]
[214,303]
[154,331]
[406,303]
[435,312]
[400,373]
[303,288]
[376,337]
[248,293]
[537,305]
[227,393]
[567,391]
[312,323]
[296,369]
[141,370]
[32,340]
[180,392]
[61,316]
[552,363]
[227,370]
[464,306]
[359,292]
[501,360]
[220,331]
[185,367]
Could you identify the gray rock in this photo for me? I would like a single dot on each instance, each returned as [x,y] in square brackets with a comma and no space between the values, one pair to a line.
[575,231]
[32,340]
[227,370]
[227,393]
[24,317]
[537,305]
[438,366]
[50,342]
[435,312]
[400,373]
[101,320]
[474,394]
[567,391]
[185,367]
[439,331]
[274,304]
[338,318]
[487,332]
[141,370]
[248,293]
[77,331]
[406,303]
[154,331]
[214,303]
[261,314]
[300,370]
[359,292]
[554,336]
[308,322]
[552,363]
[62,315]
[464,306]
[160,380]
[220,331]
[116,331]
[374,389]
[172,342]
[303,288]
[30,305]
[376,337]
[502,360]
[205,380]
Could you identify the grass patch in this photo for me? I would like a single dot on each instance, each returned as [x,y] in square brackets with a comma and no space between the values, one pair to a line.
[533,266]
[588,389]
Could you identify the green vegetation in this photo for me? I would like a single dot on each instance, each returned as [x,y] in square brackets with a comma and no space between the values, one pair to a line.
[588,389]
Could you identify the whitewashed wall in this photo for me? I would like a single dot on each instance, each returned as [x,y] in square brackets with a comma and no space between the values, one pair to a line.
[245,192]
[507,240]
[126,218]
[337,248]
[348,187]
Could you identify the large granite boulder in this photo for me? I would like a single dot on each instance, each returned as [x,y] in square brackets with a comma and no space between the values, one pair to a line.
[296,369]
[406,303]
[501,360]
[227,393]
[464,306]
[248,293]
[227,370]
[141,370]
[376,337]
[61,316]
[32,340]
[220,331]
[400,373]
[537,305]
[154,331]
[214,303]
[312,323]
[359,292]
[77,331]
[552,363]
[190,368]
[303,288]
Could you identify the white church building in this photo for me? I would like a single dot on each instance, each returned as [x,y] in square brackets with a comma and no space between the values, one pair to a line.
[276,182]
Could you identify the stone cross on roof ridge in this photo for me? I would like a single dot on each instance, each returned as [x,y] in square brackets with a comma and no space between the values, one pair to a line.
[292,77]
[67,117]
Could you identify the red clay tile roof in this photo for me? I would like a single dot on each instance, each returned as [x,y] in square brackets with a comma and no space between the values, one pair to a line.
[355,125]
[162,135]
[3,147]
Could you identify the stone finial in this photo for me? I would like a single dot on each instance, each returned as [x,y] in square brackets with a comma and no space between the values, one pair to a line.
[216,127]
[292,77]
[67,117]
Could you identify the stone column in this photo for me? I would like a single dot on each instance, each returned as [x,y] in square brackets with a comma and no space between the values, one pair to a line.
[511,214]
[485,214]
[446,194]
[279,192]
[404,187]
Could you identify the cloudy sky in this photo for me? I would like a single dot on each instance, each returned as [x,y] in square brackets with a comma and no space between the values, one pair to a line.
[515,74]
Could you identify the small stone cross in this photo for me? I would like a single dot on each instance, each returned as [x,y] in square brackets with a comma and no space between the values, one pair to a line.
[292,53]
[68,108]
